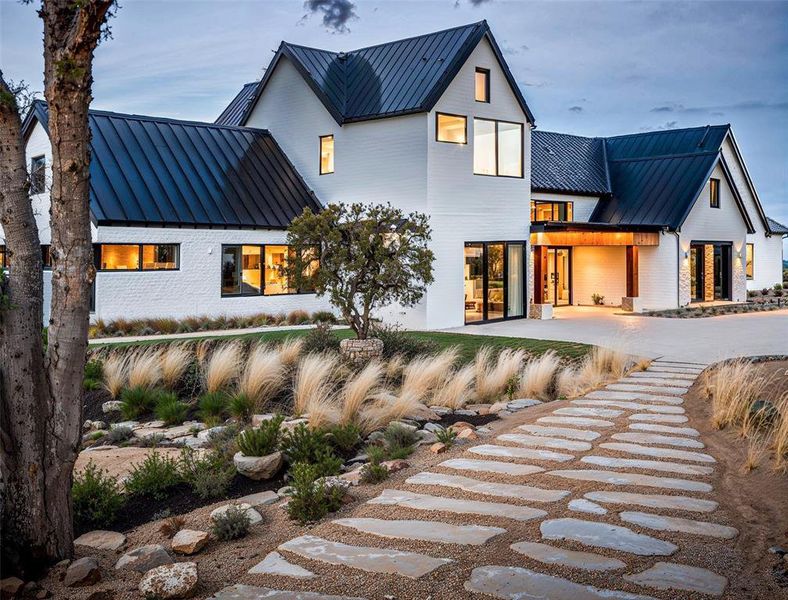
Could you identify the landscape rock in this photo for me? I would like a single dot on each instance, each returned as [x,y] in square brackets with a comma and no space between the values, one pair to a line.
[188,428]
[438,448]
[93,425]
[467,434]
[144,558]
[129,424]
[426,437]
[10,587]
[466,412]
[293,423]
[101,540]
[111,406]
[153,424]
[480,409]
[521,403]
[424,413]
[392,466]
[178,580]
[189,541]
[497,407]
[352,477]
[440,410]
[100,448]
[258,420]
[404,425]
[206,434]
[432,427]
[460,425]
[254,516]
[82,572]
[260,498]
[258,468]
[376,437]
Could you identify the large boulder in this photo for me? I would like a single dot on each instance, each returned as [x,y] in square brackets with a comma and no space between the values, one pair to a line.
[82,572]
[178,580]
[101,540]
[189,541]
[144,558]
[254,516]
[258,468]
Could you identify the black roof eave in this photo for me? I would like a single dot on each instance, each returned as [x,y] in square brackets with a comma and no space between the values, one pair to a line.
[185,225]
[565,191]
[549,226]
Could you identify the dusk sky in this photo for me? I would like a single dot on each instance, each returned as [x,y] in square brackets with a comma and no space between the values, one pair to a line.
[589,68]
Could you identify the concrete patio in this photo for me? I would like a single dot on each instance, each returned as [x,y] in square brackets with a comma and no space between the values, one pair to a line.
[704,340]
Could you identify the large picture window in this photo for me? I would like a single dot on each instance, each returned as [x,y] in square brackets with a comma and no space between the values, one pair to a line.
[137,257]
[252,270]
[497,148]
[542,211]
[451,128]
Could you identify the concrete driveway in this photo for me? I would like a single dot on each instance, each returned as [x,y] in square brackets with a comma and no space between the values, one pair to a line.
[704,340]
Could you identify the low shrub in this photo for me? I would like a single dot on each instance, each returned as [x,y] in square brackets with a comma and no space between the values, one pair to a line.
[373,473]
[209,475]
[137,401]
[116,435]
[327,463]
[320,339]
[324,316]
[446,436]
[94,375]
[263,440]
[297,317]
[598,299]
[302,444]
[375,454]
[153,477]
[213,406]
[241,407]
[232,525]
[311,499]
[395,341]
[345,438]
[151,441]
[170,410]
[398,435]
[96,497]
[91,384]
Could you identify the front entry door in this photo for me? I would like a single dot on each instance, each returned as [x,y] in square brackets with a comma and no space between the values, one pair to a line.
[558,277]
[710,272]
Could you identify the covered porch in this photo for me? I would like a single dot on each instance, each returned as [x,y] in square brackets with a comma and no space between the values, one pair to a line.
[588,264]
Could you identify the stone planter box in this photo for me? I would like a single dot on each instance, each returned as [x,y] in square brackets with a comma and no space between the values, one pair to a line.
[258,467]
[361,351]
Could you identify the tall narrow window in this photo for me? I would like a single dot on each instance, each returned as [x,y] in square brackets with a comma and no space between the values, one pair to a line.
[451,128]
[714,193]
[326,154]
[37,175]
[482,85]
[275,278]
[497,148]
[241,271]
[748,269]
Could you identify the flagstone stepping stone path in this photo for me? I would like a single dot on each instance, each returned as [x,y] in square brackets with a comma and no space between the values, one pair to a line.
[623,432]
[428,531]
[490,466]
[567,558]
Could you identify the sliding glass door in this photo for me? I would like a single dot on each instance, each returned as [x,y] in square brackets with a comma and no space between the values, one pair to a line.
[494,274]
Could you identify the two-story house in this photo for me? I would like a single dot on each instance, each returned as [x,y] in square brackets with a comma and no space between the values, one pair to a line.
[190,218]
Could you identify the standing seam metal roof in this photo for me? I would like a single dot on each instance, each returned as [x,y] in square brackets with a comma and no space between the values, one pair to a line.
[235,110]
[158,171]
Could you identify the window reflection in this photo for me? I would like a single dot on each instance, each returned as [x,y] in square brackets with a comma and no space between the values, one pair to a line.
[120,257]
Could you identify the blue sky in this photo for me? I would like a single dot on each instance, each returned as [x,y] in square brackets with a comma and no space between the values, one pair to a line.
[590,68]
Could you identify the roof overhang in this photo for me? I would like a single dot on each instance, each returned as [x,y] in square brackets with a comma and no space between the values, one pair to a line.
[593,234]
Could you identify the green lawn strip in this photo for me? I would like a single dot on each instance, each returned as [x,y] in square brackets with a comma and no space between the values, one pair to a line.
[468,344]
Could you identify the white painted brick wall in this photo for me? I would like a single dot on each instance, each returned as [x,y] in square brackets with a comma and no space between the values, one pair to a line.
[599,270]
[658,274]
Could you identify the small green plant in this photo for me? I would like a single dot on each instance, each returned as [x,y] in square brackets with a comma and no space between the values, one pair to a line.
[137,401]
[302,444]
[96,497]
[233,524]
[400,452]
[117,435]
[373,473]
[170,410]
[311,498]
[327,463]
[213,406]
[396,341]
[153,477]
[263,440]
[320,339]
[345,438]
[512,384]
[91,384]
[210,475]
[400,441]
[241,407]
[323,316]
[94,369]
[151,441]
[375,454]
[96,435]
[597,299]
[446,436]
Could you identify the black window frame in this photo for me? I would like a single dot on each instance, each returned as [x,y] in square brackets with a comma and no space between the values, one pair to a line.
[714,193]
[46,257]
[97,256]
[437,128]
[297,292]
[4,257]
[38,175]
[749,257]
[320,159]
[486,73]
[497,148]
[568,204]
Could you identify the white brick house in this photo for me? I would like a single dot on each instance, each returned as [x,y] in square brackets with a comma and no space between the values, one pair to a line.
[190,218]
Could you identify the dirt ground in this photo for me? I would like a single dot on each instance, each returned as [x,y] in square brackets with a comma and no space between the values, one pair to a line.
[756,503]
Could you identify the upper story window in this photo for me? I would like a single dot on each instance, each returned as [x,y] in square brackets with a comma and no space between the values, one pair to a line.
[551,211]
[37,174]
[714,193]
[136,257]
[497,148]
[750,258]
[326,154]
[482,85]
[451,128]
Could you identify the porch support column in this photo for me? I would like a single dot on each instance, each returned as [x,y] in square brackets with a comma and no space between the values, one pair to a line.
[633,287]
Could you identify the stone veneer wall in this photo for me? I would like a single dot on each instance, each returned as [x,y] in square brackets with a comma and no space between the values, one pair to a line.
[361,351]
[708,272]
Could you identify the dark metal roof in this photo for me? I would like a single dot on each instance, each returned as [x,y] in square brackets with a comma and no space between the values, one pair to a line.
[568,163]
[402,77]
[775,227]
[159,171]
[235,110]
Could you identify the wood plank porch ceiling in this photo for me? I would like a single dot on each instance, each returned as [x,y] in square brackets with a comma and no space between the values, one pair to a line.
[595,238]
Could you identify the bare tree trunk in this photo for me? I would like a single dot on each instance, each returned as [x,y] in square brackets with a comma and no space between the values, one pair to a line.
[37,508]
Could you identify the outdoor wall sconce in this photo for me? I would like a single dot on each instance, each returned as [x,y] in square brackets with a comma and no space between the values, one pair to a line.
[686,255]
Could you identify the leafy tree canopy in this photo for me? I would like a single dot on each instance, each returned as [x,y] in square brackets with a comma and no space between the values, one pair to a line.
[371,256]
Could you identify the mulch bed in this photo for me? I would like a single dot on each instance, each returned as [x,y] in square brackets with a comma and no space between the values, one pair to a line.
[475,420]
[91,404]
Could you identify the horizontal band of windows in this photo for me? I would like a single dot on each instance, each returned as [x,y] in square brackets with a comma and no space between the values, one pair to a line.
[136,257]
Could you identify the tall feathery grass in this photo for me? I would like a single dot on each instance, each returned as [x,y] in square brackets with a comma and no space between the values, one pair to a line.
[313,390]
[457,389]
[290,351]
[780,435]
[537,377]
[144,369]
[492,375]
[388,407]
[263,375]
[600,366]
[174,362]
[734,386]
[115,371]
[425,373]
[221,367]
[362,388]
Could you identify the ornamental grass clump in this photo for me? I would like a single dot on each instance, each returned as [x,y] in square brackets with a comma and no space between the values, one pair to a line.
[144,369]
[213,406]
[137,401]
[221,368]
[263,375]
[362,388]
[389,407]
[174,362]
[313,390]
[494,373]
[733,386]
[424,373]
[290,351]
[457,390]
[169,409]
[114,373]
[400,441]
[262,440]
[241,407]
[537,378]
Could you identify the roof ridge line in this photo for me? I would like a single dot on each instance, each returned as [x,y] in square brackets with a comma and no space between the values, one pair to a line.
[652,132]
[413,37]
[134,116]
[664,156]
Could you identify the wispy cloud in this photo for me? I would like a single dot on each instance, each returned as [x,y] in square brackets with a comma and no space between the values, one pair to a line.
[719,109]
[576,109]
[336,13]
